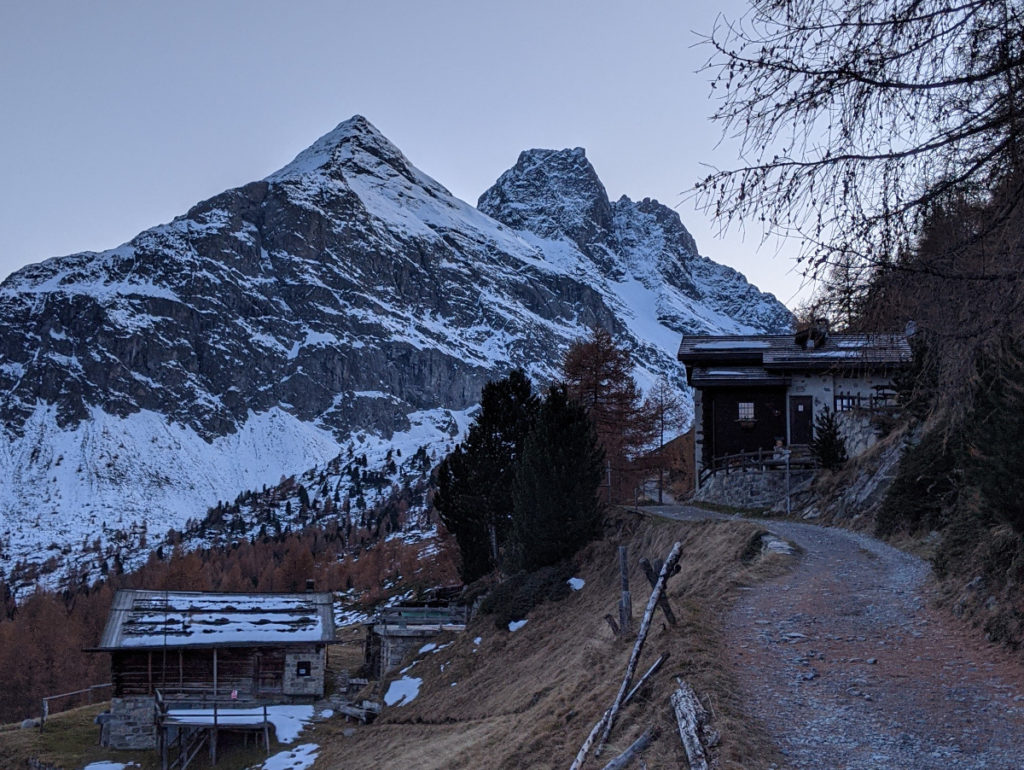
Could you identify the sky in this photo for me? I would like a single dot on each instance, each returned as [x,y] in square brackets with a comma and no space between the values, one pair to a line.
[122,115]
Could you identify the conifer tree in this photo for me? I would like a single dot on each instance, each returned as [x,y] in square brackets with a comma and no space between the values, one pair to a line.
[556,506]
[598,374]
[828,446]
[475,480]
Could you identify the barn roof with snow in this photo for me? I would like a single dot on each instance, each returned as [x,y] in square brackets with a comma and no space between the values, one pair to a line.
[141,620]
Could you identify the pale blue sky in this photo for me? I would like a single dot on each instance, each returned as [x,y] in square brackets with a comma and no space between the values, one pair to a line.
[121,115]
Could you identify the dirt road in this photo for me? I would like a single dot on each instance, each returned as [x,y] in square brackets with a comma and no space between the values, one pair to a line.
[847,667]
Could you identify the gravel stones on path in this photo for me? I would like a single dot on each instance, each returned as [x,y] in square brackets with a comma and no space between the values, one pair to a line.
[846,666]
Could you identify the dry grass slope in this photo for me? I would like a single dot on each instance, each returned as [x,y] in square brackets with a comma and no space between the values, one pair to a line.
[528,699]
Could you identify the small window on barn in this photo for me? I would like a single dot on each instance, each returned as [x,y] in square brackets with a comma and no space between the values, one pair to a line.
[746,410]
[303,668]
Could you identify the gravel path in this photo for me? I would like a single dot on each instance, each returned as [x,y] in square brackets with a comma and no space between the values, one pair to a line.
[847,667]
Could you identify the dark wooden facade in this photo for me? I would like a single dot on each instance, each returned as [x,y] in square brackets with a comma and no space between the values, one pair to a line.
[260,673]
[725,429]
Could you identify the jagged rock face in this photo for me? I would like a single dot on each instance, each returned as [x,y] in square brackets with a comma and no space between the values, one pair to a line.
[557,195]
[341,294]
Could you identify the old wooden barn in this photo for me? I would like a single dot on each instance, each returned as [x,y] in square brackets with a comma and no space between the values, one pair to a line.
[178,649]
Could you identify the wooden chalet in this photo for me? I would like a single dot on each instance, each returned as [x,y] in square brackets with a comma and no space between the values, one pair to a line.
[174,650]
[751,391]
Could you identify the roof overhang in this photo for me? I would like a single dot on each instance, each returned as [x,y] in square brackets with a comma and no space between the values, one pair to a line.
[736,377]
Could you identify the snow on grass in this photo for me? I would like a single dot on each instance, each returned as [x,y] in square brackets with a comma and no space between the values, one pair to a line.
[402,691]
[576,583]
[110,766]
[299,758]
[515,625]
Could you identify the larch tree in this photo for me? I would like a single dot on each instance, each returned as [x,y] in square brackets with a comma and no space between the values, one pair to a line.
[665,408]
[598,375]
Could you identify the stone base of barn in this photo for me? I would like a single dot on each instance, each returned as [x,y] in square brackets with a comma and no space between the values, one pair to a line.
[131,723]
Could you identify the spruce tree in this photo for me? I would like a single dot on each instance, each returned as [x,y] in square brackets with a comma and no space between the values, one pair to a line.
[828,446]
[475,480]
[556,506]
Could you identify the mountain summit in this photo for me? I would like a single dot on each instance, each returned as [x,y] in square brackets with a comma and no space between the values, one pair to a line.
[345,298]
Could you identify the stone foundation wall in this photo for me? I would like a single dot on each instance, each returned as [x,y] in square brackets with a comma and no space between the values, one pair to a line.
[131,724]
[750,488]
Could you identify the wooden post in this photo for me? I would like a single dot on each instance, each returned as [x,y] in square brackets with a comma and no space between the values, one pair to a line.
[652,577]
[638,647]
[213,737]
[625,602]
[215,671]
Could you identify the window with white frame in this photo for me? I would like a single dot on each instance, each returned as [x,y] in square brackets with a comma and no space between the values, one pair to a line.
[745,410]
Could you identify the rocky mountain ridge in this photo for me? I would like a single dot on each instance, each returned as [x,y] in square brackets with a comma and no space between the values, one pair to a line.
[346,295]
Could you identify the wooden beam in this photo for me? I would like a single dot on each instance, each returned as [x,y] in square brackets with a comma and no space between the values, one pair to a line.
[637,746]
[657,664]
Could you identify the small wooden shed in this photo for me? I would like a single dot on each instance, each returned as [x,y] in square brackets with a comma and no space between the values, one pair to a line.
[201,647]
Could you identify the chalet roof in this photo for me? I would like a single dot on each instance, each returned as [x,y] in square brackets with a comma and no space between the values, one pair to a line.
[155,619]
[781,352]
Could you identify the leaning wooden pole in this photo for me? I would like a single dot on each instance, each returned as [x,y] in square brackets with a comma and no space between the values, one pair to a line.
[657,664]
[638,647]
[581,756]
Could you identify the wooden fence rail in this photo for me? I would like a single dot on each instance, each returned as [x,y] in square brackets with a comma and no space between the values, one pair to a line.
[90,691]
[763,460]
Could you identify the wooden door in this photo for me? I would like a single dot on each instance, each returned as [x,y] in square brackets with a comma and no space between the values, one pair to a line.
[801,419]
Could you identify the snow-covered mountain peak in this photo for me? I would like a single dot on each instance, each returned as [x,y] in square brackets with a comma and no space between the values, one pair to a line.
[553,194]
[354,145]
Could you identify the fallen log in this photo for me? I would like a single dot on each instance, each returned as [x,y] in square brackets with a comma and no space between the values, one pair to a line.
[654,667]
[691,719]
[638,647]
[637,746]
